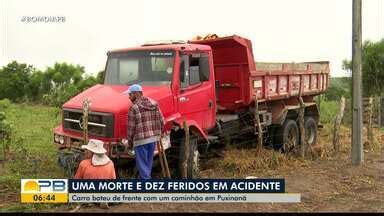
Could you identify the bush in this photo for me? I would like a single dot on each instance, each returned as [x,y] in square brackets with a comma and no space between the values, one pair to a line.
[35,86]
[62,93]
[335,92]
[87,82]
[339,86]
[58,96]
[5,132]
[328,111]
[4,104]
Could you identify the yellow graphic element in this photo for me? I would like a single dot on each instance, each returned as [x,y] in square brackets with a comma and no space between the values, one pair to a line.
[44,198]
[31,186]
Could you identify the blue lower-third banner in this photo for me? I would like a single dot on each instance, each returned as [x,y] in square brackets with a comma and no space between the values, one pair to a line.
[169,190]
[186,197]
[194,190]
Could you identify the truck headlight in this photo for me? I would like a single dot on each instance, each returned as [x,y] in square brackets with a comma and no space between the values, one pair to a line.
[124,141]
[57,137]
[61,140]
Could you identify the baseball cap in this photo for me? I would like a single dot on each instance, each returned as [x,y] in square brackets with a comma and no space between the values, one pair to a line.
[133,88]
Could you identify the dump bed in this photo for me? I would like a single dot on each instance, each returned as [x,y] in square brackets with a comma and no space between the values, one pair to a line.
[239,78]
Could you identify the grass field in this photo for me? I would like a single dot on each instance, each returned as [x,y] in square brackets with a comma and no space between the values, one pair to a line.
[32,153]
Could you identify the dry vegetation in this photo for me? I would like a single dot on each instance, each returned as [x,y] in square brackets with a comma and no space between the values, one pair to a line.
[326,181]
[239,163]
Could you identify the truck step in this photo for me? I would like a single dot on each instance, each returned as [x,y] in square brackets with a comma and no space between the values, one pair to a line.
[212,138]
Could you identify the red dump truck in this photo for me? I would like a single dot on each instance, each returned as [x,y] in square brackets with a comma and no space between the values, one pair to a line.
[211,85]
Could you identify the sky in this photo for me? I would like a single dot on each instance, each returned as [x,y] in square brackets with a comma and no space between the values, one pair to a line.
[280,30]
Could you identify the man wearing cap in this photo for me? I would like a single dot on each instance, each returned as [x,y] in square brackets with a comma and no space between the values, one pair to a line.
[97,164]
[144,128]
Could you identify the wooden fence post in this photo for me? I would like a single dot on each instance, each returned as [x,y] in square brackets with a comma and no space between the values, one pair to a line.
[167,172]
[301,127]
[158,144]
[86,104]
[184,173]
[258,125]
[336,130]
[369,126]
[379,111]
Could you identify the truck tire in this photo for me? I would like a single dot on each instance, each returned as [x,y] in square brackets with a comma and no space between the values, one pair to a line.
[287,136]
[125,170]
[193,164]
[70,162]
[310,130]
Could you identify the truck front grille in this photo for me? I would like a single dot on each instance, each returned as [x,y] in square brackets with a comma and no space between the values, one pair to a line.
[99,124]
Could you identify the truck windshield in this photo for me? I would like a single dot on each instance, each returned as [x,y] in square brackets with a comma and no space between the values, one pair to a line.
[145,67]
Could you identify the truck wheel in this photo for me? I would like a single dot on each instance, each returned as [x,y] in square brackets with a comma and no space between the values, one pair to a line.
[193,164]
[70,162]
[194,160]
[310,130]
[125,169]
[287,136]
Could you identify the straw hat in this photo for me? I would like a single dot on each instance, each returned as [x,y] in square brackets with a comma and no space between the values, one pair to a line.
[99,157]
[95,146]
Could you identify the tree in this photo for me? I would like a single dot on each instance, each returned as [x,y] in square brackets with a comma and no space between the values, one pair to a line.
[335,92]
[64,74]
[35,86]
[14,79]
[372,69]
[87,82]
[100,77]
[339,86]
[347,65]
[54,86]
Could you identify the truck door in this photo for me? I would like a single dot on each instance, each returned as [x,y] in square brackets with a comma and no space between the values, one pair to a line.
[196,99]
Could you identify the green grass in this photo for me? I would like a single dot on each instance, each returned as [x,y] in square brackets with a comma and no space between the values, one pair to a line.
[328,111]
[32,152]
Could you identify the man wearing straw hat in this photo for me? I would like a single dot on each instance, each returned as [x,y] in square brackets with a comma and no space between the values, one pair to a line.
[97,164]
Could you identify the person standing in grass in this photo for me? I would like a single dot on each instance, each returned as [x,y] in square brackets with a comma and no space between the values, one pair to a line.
[144,129]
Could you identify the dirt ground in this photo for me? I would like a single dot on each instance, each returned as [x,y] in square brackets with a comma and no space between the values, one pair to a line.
[331,185]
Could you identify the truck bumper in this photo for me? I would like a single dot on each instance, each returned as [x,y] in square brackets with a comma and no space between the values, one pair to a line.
[72,141]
